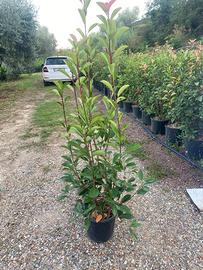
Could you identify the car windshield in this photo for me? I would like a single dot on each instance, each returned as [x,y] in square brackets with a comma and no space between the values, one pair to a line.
[56,61]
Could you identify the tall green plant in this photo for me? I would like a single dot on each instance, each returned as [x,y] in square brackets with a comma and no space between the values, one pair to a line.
[96,165]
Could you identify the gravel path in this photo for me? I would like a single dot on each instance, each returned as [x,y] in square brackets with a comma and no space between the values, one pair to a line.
[38,232]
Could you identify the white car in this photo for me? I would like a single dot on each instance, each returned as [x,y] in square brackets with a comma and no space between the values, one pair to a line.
[53,68]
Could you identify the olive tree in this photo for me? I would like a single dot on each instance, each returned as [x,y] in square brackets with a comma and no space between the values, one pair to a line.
[17,34]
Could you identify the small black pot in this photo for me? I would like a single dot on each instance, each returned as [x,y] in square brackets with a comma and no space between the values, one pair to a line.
[146,118]
[158,126]
[102,231]
[173,135]
[120,104]
[137,112]
[127,106]
[103,90]
[195,149]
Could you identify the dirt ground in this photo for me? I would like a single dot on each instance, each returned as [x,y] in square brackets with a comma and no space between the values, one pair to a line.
[39,232]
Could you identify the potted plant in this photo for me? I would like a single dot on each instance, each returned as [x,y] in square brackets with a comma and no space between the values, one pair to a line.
[160,78]
[186,104]
[128,102]
[144,97]
[129,73]
[96,165]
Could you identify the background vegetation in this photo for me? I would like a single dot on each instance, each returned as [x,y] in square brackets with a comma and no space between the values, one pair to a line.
[23,42]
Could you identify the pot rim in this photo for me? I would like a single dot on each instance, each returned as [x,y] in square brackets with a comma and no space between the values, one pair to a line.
[104,221]
[129,102]
[171,127]
[159,120]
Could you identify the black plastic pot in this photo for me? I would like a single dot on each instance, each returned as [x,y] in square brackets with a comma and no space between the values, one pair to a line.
[146,118]
[195,149]
[137,111]
[120,105]
[173,135]
[107,92]
[158,126]
[127,106]
[102,231]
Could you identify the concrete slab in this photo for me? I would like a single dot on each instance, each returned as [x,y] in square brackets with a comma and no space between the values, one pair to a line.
[196,195]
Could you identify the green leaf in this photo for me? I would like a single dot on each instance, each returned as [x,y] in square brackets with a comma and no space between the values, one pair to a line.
[99,153]
[105,58]
[140,175]
[81,32]
[143,190]
[93,192]
[82,15]
[120,99]
[115,12]
[92,27]
[121,31]
[87,223]
[119,51]
[122,89]
[87,3]
[150,181]
[55,91]
[62,197]
[114,211]
[126,198]
[135,224]
[108,85]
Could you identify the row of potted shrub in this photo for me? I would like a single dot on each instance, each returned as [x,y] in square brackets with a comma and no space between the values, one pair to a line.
[173,134]
[166,90]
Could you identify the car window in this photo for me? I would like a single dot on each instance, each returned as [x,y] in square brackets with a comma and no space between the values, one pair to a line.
[55,61]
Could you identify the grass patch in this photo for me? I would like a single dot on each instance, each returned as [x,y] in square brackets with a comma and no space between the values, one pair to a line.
[136,149]
[47,117]
[29,134]
[10,91]
[157,171]
[47,114]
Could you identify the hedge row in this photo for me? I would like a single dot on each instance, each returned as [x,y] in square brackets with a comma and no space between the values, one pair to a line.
[166,84]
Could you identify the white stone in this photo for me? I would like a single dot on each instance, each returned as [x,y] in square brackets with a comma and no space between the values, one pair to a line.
[196,195]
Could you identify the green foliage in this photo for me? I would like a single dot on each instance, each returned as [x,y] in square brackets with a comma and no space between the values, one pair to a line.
[167,84]
[128,17]
[46,43]
[175,21]
[167,15]
[96,164]
[17,35]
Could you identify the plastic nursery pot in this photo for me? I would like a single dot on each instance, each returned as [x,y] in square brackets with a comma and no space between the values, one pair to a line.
[107,92]
[102,231]
[158,126]
[137,112]
[127,106]
[146,118]
[173,135]
[120,104]
[195,149]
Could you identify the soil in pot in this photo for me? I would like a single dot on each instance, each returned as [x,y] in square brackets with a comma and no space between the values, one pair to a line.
[158,126]
[173,135]
[195,148]
[127,106]
[137,111]
[102,231]
[146,118]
